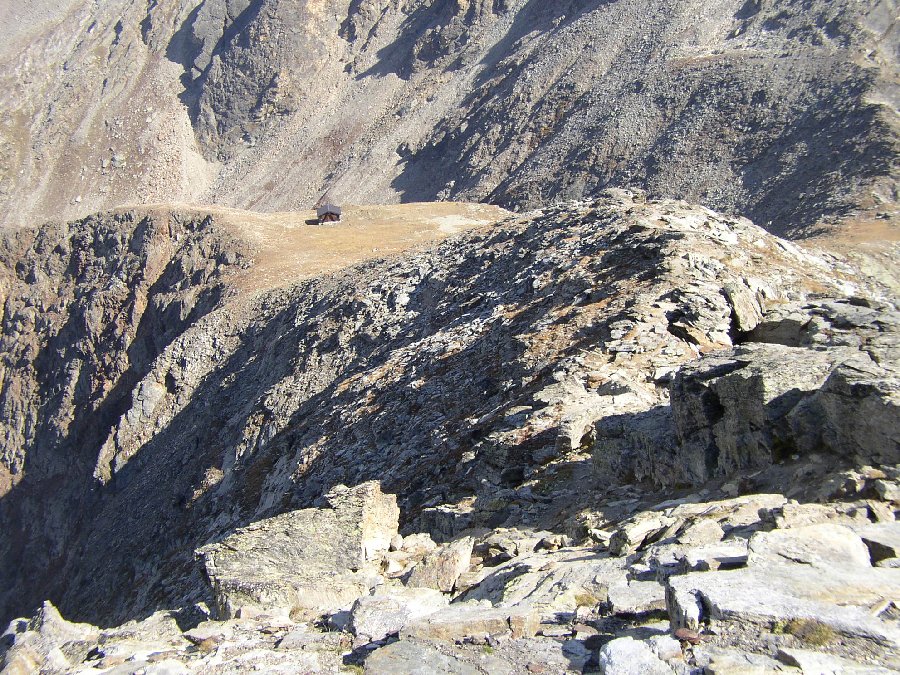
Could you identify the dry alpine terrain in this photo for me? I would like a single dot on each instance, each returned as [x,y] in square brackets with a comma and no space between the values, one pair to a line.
[598,372]
[782,111]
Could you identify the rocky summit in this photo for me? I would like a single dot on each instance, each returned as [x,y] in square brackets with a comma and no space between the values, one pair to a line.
[591,364]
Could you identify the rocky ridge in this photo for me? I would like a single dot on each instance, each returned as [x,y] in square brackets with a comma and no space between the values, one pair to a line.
[609,427]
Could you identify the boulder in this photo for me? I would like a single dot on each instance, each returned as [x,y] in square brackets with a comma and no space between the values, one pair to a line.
[824,545]
[856,412]
[441,568]
[390,609]
[312,560]
[627,656]
[761,403]
[730,410]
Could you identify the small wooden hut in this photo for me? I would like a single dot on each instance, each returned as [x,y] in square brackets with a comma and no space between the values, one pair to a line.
[329,213]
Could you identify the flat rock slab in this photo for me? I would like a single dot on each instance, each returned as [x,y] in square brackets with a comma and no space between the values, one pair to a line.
[636,597]
[842,599]
[412,657]
[822,545]
[475,620]
[809,661]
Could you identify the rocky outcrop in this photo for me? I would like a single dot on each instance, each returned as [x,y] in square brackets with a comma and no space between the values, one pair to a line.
[453,374]
[826,382]
[312,561]
[593,426]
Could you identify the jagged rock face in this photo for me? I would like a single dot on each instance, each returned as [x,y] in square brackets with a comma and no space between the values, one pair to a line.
[816,377]
[447,374]
[782,112]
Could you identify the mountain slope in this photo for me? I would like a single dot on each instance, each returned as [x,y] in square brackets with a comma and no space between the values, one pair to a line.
[163,400]
[786,112]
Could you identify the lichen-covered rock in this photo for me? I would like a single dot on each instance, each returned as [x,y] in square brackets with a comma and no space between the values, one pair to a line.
[390,609]
[441,568]
[315,560]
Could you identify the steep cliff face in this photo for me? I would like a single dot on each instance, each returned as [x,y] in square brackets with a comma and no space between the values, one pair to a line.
[163,400]
[784,112]
[87,308]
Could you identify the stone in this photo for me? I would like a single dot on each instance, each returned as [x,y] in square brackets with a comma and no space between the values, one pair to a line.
[414,657]
[419,543]
[729,410]
[312,560]
[441,568]
[855,413]
[734,662]
[467,620]
[799,515]
[724,555]
[633,598]
[882,540]
[636,532]
[888,490]
[390,609]
[627,656]
[701,532]
[809,661]
[838,598]
[665,647]
[824,545]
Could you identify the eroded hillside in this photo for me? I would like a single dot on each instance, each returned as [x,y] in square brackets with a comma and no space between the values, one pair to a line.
[783,112]
[163,400]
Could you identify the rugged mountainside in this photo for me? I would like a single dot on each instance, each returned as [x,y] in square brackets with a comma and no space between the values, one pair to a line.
[519,389]
[785,112]
[618,432]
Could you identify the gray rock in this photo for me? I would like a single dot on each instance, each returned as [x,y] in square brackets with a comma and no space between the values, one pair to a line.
[882,539]
[636,597]
[468,620]
[809,661]
[414,657]
[315,560]
[637,531]
[837,598]
[824,545]
[441,568]
[390,609]
[730,410]
[627,656]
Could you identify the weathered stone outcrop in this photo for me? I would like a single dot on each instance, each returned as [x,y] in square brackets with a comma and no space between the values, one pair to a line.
[312,560]
[508,387]
[826,382]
